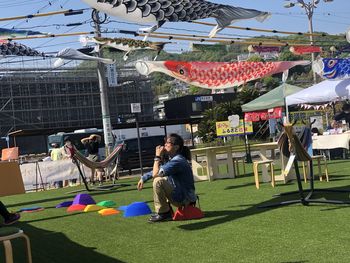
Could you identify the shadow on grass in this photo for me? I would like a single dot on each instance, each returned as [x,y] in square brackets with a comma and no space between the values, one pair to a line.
[338,179]
[68,214]
[224,216]
[232,187]
[50,246]
[244,175]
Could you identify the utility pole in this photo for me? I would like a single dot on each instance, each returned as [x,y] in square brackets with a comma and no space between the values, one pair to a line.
[309,9]
[106,118]
[136,109]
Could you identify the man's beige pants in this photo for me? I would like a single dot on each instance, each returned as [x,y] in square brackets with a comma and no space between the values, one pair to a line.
[162,194]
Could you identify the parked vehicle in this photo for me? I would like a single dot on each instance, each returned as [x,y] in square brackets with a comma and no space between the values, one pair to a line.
[129,156]
[76,137]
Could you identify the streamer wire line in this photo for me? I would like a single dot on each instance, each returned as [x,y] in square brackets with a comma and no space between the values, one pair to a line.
[65,12]
[269,30]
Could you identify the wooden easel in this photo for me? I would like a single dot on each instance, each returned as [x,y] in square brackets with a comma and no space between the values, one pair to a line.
[289,143]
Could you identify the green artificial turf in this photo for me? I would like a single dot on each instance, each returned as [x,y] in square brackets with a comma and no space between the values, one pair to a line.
[233,230]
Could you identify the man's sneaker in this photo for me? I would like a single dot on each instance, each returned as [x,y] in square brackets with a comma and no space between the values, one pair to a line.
[13,218]
[161,217]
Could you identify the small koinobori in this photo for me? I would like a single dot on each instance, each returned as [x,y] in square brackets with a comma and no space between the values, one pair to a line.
[160,11]
[123,44]
[10,48]
[216,75]
[301,50]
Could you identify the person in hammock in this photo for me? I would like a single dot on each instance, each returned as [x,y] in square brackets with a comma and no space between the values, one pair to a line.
[92,144]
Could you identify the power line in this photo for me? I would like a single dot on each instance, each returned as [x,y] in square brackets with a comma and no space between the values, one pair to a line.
[54,25]
[268,30]
[65,12]
[224,41]
[220,35]
[169,36]
[37,12]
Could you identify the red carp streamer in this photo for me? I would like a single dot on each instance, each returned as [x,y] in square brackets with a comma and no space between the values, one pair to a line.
[216,75]
[300,50]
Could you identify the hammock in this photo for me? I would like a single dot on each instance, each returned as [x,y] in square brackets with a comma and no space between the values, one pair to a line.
[74,154]
[290,143]
[77,157]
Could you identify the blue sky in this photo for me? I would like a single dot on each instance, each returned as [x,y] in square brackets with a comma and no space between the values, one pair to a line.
[330,17]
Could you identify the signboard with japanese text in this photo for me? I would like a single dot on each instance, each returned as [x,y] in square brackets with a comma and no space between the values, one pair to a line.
[304,115]
[223,128]
[112,75]
[317,122]
[274,113]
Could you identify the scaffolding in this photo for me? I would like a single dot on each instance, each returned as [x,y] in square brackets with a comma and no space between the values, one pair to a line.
[42,97]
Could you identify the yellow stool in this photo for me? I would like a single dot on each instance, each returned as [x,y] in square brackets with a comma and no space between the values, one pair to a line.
[8,233]
[318,158]
[256,172]
[236,161]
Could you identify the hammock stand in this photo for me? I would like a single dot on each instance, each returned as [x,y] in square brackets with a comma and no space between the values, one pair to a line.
[78,158]
[289,144]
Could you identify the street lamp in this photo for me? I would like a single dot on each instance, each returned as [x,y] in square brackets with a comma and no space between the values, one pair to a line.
[309,9]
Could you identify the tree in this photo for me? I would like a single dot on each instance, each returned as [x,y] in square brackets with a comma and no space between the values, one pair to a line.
[163,88]
[255,58]
[271,82]
[289,56]
[207,127]
[229,108]
[197,90]
[247,94]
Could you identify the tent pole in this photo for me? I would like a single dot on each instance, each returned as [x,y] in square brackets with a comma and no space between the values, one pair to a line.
[285,103]
[287,111]
[248,157]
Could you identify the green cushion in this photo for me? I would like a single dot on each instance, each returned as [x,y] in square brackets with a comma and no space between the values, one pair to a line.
[7,231]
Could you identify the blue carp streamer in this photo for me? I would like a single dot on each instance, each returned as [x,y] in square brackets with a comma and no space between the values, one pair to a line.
[332,68]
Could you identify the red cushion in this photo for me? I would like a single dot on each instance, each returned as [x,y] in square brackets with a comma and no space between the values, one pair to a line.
[188,212]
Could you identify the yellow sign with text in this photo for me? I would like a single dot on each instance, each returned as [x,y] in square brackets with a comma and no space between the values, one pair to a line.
[223,128]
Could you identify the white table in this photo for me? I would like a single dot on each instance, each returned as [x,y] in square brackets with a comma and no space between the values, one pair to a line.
[327,142]
[214,161]
[333,141]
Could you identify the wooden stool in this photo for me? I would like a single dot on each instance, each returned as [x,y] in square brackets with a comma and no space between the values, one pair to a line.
[236,161]
[256,172]
[8,233]
[318,158]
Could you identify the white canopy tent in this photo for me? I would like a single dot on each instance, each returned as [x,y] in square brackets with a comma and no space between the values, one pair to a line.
[325,91]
